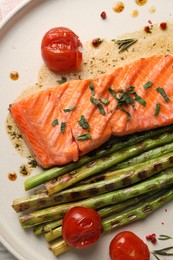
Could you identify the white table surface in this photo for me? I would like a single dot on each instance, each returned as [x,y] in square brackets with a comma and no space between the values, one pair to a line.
[5,7]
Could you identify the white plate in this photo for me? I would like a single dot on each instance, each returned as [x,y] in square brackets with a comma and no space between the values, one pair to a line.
[20,38]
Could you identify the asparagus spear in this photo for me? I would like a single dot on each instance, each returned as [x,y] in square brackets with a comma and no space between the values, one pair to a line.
[151,154]
[59,247]
[160,181]
[111,146]
[110,181]
[46,227]
[104,212]
[104,163]
[114,222]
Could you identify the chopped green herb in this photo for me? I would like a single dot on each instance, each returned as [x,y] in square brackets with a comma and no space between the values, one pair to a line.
[69,109]
[92,89]
[62,80]
[55,122]
[128,114]
[83,137]
[140,100]
[125,99]
[101,108]
[105,101]
[157,110]
[125,44]
[63,125]
[112,92]
[83,123]
[94,101]
[148,85]
[163,94]
[97,102]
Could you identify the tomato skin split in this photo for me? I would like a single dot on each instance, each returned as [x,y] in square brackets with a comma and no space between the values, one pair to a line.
[128,246]
[81,227]
[60,49]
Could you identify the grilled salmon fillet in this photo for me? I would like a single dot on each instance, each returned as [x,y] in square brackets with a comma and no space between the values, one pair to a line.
[60,124]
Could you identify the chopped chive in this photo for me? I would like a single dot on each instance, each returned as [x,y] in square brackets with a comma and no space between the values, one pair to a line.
[101,108]
[163,94]
[83,123]
[83,137]
[69,109]
[55,122]
[157,110]
[94,101]
[92,88]
[148,85]
[62,80]
[105,101]
[112,92]
[140,100]
[125,99]
[128,114]
[63,125]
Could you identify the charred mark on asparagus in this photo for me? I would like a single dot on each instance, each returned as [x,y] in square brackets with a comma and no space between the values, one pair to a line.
[143,174]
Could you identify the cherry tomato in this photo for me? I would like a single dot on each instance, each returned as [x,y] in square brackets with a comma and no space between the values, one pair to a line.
[60,49]
[81,227]
[128,246]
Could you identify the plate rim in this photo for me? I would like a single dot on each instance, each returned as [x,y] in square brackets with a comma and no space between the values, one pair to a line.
[13,12]
[3,23]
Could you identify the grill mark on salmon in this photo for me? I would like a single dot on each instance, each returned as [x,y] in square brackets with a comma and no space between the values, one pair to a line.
[50,146]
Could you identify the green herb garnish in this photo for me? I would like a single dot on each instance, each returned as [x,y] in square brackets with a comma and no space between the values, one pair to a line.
[63,125]
[165,251]
[140,100]
[62,80]
[163,94]
[112,92]
[157,110]
[124,99]
[148,85]
[83,123]
[101,108]
[55,122]
[104,101]
[128,114]
[69,109]
[164,237]
[94,101]
[83,137]
[97,103]
[92,88]
[125,44]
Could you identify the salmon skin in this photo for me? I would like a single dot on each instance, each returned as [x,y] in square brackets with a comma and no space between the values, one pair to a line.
[62,123]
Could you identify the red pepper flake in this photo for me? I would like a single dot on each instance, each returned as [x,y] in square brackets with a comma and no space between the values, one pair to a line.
[152,238]
[150,22]
[96,42]
[163,26]
[103,15]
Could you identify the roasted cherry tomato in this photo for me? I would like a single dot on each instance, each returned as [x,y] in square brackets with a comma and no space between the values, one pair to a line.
[60,49]
[81,227]
[128,246]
